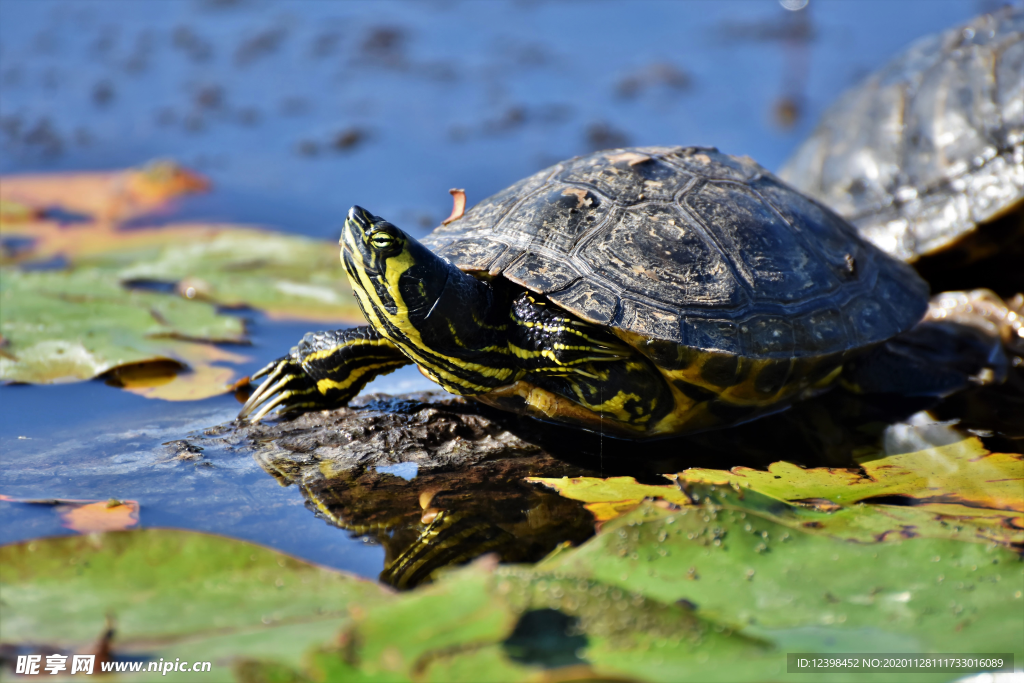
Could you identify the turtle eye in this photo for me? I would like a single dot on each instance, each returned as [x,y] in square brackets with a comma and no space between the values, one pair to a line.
[383,241]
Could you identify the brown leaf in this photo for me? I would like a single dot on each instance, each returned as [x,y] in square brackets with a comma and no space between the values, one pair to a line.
[108,197]
[458,206]
[99,516]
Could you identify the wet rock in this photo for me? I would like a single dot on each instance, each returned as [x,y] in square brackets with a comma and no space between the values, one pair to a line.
[184,450]
[436,431]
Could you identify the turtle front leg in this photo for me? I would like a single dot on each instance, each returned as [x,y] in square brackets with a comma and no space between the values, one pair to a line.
[325,370]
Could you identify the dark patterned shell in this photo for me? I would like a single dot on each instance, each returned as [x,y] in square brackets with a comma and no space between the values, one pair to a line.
[689,246]
[929,147]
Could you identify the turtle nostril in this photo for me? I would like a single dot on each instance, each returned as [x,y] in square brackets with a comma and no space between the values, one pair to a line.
[362,218]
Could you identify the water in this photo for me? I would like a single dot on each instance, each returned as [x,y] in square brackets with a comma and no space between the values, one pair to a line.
[297,111]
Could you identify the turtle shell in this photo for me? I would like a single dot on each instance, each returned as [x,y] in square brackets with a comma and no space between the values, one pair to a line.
[929,147]
[692,247]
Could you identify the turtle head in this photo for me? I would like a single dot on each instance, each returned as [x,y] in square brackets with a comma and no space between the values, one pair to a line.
[390,271]
[406,291]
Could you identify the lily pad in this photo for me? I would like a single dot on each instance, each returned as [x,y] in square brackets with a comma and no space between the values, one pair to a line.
[65,326]
[745,560]
[182,594]
[286,276]
[514,624]
[174,594]
[957,491]
[608,498]
[964,473]
[86,298]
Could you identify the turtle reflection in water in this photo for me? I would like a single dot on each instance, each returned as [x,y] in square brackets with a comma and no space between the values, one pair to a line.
[465,500]
[638,292]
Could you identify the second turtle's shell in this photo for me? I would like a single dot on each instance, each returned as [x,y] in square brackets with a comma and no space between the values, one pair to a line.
[929,147]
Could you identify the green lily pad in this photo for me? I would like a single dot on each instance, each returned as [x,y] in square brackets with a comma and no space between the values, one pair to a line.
[287,276]
[174,594]
[515,624]
[63,326]
[177,594]
[90,317]
[718,590]
[747,560]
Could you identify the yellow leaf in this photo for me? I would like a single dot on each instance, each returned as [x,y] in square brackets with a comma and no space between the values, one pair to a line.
[608,498]
[964,473]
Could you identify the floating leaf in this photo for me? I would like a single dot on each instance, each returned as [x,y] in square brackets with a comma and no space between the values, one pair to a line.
[103,515]
[958,491]
[64,326]
[964,473]
[184,594]
[287,276]
[174,594]
[82,303]
[88,516]
[515,624]
[106,197]
[200,377]
[17,212]
[744,559]
[611,497]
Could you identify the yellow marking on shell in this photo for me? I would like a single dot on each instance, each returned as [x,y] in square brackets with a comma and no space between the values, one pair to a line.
[615,406]
[744,392]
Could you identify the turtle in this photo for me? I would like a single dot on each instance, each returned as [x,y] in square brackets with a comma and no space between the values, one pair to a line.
[927,150]
[638,292]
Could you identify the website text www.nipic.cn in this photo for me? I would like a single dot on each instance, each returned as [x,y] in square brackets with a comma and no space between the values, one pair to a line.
[30,665]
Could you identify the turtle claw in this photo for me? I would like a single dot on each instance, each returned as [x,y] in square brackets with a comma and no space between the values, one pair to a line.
[270,405]
[285,380]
